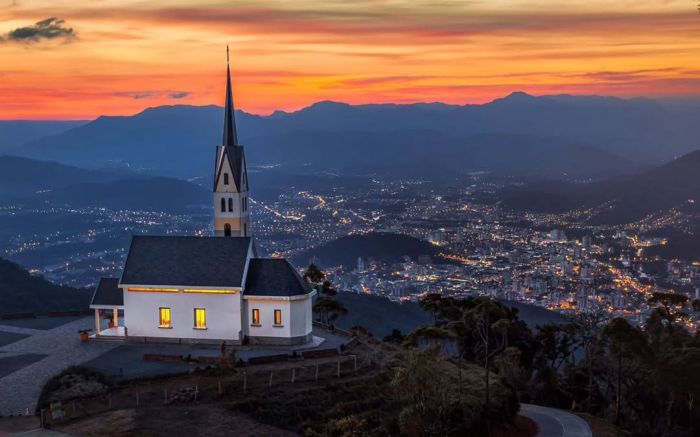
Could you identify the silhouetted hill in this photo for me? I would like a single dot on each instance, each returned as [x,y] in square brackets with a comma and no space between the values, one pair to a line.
[380,246]
[22,176]
[31,181]
[520,134]
[14,133]
[380,315]
[21,292]
[673,185]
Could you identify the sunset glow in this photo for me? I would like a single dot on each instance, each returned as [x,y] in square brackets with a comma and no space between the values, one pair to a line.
[117,57]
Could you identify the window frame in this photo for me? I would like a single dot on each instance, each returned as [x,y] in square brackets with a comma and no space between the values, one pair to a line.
[255,317]
[204,313]
[275,322]
[161,325]
[230,204]
[223,204]
[225,178]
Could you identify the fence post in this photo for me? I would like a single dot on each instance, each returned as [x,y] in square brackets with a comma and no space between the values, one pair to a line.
[41,419]
[338,367]
[294,371]
[196,391]
[219,387]
[137,399]
[355,359]
[109,399]
[270,384]
[73,405]
[316,378]
[165,396]
[245,383]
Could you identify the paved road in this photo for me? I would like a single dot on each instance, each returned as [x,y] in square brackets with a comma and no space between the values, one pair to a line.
[38,355]
[556,423]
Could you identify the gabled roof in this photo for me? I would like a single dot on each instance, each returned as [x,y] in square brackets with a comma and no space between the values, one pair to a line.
[108,293]
[273,277]
[236,160]
[186,261]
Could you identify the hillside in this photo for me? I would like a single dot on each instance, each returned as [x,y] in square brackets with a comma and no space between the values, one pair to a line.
[38,182]
[380,315]
[672,185]
[14,133]
[384,247]
[21,292]
[556,136]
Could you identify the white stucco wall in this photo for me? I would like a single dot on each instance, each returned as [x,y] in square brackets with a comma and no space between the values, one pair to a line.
[223,311]
[296,316]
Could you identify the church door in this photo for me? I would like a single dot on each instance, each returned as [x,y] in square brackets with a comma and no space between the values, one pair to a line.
[227,230]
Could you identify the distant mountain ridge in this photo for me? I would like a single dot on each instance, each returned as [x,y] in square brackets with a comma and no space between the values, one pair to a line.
[672,185]
[558,136]
[38,182]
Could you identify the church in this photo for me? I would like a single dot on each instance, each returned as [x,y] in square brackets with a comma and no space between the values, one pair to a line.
[216,289]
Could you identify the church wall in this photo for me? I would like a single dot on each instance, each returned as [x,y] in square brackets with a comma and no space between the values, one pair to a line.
[223,315]
[296,319]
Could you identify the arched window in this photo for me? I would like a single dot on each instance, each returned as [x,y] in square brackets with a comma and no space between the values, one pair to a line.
[227,230]
[225,178]
[223,205]
[230,204]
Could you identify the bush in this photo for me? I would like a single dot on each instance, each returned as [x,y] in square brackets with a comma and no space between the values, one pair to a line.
[75,382]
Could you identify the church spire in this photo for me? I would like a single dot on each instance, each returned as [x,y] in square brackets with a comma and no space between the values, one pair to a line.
[230,134]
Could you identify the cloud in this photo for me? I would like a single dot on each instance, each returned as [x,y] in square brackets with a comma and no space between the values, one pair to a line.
[138,95]
[50,28]
[178,94]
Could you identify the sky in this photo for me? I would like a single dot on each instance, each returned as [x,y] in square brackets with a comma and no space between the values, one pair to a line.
[71,59]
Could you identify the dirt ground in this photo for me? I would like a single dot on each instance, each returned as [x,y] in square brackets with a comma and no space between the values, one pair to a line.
[187,420]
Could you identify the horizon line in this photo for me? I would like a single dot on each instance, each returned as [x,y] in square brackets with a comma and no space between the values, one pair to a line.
[426,102]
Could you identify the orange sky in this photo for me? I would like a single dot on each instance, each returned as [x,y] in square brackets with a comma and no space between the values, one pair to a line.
[122,56]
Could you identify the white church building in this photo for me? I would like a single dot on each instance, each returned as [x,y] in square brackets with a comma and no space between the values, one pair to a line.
[209,289]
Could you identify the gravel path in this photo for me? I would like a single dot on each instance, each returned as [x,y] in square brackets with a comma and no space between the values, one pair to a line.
[20,389]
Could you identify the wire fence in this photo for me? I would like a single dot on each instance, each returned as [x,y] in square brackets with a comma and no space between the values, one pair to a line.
[215,385]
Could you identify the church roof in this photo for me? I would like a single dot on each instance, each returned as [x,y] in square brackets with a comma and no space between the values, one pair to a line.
[108,293]
[186,261]
[236,160]
[273,277]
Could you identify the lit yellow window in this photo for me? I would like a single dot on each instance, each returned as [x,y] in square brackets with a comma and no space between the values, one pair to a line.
[256,317]
[165,321]
[278,317]
[200,318]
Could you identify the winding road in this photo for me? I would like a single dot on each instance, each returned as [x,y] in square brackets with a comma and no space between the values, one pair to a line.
[555,423]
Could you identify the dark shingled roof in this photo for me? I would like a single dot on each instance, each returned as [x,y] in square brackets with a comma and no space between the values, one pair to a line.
[273,277]
[108,293]
[195,261]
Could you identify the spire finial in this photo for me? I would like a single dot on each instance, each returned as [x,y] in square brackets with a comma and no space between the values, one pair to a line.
[230,136]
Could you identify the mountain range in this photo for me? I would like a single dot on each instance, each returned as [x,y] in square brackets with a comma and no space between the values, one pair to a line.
[626,198]
[33,182]
[522,135]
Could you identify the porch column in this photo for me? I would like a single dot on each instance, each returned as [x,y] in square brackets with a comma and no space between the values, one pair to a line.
[116,318]
[97,321]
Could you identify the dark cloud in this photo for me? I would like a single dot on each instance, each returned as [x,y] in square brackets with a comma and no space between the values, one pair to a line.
[138,95]
[178,94]
[50,28]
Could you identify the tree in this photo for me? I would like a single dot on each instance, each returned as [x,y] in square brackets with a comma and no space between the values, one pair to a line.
[329,309]
[670,305]
[328,289]
[314,275]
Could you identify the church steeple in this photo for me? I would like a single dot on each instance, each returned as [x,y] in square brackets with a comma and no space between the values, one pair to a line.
[231,214]
[230,134]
